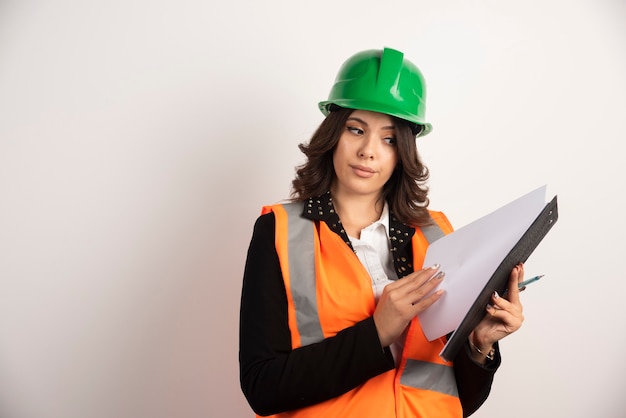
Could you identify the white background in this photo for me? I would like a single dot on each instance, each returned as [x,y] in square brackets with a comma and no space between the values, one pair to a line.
[139,140]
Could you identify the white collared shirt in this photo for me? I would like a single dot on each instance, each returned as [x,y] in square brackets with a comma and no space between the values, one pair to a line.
[373,251]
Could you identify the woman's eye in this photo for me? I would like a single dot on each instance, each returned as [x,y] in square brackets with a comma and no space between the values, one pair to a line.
[355,131]
[390,140]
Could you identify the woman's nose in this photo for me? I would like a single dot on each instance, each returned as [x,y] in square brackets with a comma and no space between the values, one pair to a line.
[367,148]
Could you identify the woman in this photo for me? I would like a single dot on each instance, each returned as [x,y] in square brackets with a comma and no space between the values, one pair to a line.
[334,280]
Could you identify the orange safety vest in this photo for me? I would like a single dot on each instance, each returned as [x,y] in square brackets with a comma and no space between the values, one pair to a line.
[328,290]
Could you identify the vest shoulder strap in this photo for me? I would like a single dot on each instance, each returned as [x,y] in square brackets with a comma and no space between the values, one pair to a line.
[300,274]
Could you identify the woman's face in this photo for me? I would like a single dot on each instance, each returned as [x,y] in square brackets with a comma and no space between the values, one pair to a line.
[366,154]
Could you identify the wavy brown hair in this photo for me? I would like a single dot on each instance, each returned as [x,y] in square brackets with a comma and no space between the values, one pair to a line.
[405,191]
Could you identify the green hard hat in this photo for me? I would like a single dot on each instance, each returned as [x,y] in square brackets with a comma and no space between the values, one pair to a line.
[384,82]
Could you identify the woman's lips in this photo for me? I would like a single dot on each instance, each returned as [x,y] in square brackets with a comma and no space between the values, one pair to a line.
[362,171]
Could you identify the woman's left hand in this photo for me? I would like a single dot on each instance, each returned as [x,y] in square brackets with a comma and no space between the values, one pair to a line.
[504,316]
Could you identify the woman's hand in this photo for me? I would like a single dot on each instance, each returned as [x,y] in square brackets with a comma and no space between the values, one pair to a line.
[504,316]
[403,299]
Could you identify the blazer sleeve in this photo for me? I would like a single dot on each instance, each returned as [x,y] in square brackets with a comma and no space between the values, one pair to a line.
[276,378]
[474,380]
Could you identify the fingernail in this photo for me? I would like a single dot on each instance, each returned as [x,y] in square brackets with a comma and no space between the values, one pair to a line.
[434,267]
[496,295]
[439,275]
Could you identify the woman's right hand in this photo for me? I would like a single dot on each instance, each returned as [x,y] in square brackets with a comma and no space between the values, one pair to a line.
[403,299]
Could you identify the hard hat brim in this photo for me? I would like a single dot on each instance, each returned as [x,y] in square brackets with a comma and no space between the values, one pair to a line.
[325,108]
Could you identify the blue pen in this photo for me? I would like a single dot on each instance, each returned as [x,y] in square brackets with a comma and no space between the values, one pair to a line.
[525,283]
[529,281]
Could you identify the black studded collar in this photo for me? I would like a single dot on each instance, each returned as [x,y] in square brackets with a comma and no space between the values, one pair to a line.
[321,209]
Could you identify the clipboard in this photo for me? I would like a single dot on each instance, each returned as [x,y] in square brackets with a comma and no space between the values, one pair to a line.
[520,252]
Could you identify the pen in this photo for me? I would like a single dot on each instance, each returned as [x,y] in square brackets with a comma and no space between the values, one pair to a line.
[525,283]
[529,281]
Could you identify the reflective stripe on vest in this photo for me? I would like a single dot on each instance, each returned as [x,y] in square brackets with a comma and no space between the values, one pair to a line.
[432,233]
[302,274]
[430,376]
[417,374]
